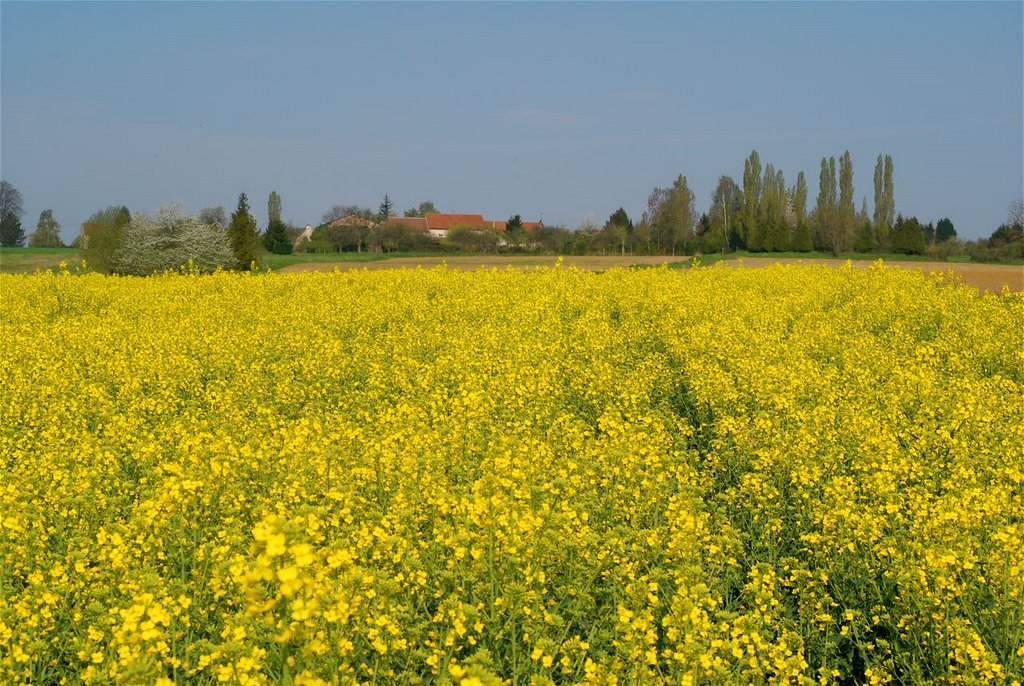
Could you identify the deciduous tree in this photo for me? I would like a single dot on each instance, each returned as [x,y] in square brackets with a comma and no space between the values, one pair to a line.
[273,207]
[215,216]
[426,207]
[47,233]
[726,204]
[102,236]
[826,212]
[170,240]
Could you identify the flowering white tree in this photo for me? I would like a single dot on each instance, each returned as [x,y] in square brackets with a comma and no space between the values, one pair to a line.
[171,240]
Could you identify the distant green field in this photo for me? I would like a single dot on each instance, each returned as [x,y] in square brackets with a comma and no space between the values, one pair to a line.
[28,260]
[888,257]
[278,261]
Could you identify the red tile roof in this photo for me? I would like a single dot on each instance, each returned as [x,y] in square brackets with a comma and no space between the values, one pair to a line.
[436,220]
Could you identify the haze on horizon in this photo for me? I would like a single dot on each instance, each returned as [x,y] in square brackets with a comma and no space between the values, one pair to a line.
[555,111]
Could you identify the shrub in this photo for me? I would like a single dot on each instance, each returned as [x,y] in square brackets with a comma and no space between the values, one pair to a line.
[170,240]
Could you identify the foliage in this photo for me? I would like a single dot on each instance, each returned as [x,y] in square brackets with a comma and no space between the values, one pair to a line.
[215,216]
[276,239]
[47,233]
[102,234]
[12,235]
[242,235]
[908,236]
[672,215]
[724,216]
[339,211]
[944,230]
[473,240]
[885,206]
[392,237]
[273,208]
[422,210]
[788,475]
[10,199]
[171,240]
[385,210]
[831,233]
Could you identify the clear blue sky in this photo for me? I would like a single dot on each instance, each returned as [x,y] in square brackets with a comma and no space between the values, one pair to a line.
[553,111]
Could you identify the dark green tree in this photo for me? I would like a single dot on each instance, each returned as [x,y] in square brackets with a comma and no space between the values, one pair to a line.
[11,233]
[865,241]
[514,232]
[242,234]
[944,230]
[620,218]
[386,209]
[929,233]
[276,239]
[617,231]
[907,236]
[47,233]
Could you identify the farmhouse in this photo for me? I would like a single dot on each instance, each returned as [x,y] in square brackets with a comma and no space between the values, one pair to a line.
[438,224]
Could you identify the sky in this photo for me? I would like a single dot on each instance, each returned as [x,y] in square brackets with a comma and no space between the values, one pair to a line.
[555,111]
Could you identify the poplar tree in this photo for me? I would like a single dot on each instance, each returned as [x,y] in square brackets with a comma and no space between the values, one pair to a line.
[802,239]
[273,208]
[888,204]
[242,234]
[879,216]
[847,208]
[826,213]
[751,196]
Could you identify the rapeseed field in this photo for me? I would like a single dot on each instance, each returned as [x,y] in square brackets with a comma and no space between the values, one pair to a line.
[793,475]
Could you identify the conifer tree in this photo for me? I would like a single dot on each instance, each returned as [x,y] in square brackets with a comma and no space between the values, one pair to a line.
[276,238]
[242,234]
[944,230]
[386,209]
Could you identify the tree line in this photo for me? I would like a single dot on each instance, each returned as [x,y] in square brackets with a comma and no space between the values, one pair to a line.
[763,214]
